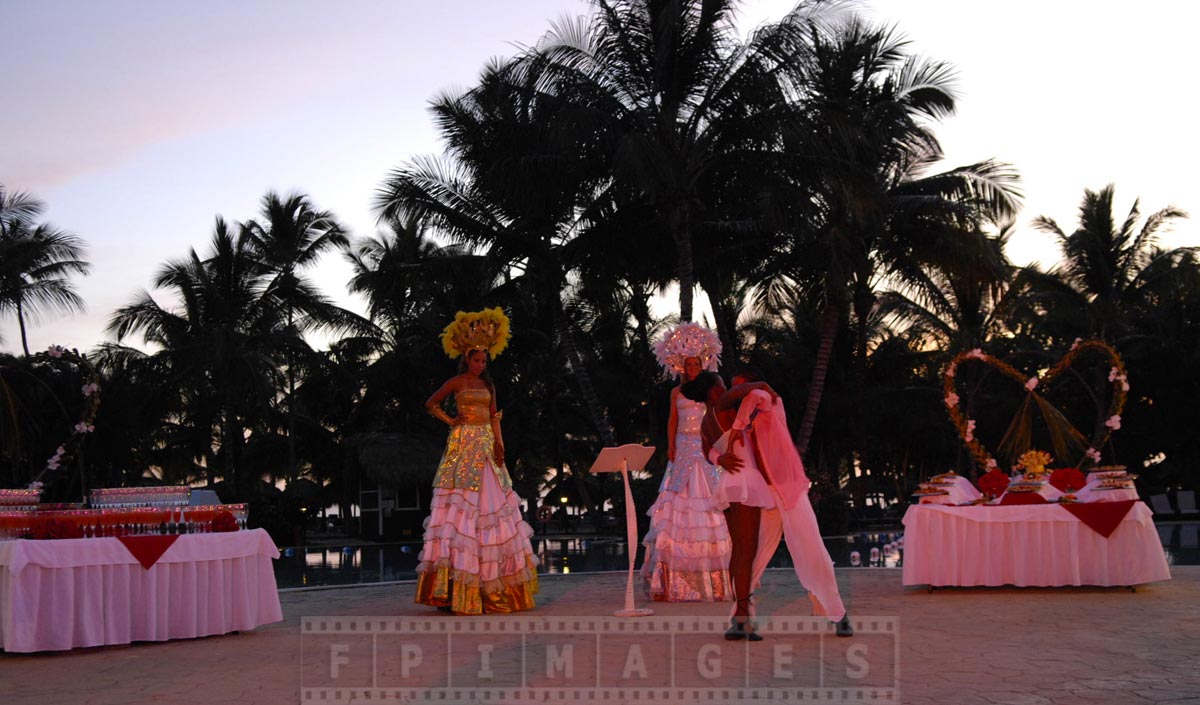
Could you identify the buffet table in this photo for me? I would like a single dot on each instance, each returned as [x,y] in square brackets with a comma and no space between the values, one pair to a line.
[70,593]
[1028,545]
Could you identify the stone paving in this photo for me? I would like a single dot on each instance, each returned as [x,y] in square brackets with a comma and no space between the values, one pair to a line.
[960,646]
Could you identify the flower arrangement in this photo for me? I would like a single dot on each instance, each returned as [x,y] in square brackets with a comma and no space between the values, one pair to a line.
[994,482]
[56,529]
[1034,462]
[966,426]
[1068,479]
[224,521]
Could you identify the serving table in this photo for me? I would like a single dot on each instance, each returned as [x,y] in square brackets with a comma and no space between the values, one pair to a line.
[1032,545]
[70,593]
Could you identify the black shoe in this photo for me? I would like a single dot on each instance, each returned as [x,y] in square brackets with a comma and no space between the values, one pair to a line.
[445,608]
[742,630]
[736,632]
[844,628]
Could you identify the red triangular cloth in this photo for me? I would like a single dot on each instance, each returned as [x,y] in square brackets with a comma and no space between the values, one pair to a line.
[1102,517]
[148,549]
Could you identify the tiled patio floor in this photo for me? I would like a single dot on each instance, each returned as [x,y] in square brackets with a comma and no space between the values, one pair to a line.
[962,647]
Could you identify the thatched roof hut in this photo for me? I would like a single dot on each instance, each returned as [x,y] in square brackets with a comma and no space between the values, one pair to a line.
[395,459]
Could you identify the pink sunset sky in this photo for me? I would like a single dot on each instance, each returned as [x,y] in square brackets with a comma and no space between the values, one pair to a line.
[140,122]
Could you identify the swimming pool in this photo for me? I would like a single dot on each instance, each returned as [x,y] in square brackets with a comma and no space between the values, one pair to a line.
[351,565]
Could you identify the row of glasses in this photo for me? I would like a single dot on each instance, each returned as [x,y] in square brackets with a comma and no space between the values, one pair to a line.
[14,524]
[123,521]
[128,497]
[19,500]
[241,512]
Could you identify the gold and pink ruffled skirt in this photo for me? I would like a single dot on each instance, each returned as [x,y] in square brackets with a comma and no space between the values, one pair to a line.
[477,556]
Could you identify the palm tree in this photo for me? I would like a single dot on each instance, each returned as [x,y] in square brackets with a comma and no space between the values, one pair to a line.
[958,302]
[865,207]
[682,104]
[19,207]
[412,286]
[37,262]
[220,347]
[515,185]
[291,235]
[412,283]
[1107,267]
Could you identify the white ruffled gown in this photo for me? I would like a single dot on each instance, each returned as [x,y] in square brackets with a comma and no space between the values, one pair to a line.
[688,545]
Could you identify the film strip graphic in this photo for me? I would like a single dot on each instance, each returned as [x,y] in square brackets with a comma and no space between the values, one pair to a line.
[519,659]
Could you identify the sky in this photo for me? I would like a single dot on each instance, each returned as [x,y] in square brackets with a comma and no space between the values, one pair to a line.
[138,123]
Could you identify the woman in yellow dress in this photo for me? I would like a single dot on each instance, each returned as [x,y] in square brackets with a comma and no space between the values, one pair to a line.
[477,556]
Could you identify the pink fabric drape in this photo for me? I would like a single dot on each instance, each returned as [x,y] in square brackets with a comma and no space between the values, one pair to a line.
[793,517]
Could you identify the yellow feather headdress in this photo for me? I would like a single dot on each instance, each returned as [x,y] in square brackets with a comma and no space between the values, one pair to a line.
[478,330]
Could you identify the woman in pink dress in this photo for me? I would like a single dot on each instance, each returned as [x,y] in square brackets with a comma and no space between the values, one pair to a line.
[687,546]
[477,556]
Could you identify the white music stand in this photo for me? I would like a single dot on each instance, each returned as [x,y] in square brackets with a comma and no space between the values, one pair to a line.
[622,459]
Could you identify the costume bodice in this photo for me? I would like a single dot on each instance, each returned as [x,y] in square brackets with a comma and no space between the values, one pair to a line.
[689,448]
[470,445]
[688,417]
[474,405]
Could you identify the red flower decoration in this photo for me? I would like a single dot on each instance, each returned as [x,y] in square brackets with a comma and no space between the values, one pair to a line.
[56,529]
[224,521]
[1068,479]
[994,482]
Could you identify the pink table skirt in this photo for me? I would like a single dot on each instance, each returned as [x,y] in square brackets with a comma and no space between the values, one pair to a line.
[58,595]
[1032,545]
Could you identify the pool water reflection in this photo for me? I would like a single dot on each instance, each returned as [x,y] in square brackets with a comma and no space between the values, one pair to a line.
[311,567]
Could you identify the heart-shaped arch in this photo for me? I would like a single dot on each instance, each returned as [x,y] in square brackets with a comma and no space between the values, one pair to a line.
[966,426]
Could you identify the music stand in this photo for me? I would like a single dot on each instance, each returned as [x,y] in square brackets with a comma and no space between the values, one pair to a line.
[622,459]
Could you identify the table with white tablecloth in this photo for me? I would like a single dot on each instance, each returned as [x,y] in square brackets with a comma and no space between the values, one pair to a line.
[70,593]
[1028,545]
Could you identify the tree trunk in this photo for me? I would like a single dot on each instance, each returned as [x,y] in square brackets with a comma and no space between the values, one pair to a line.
[640,308]
[864,301]
[579,371]
[719,289]
[21,323]
[231,440]
[816,387]
[681,232]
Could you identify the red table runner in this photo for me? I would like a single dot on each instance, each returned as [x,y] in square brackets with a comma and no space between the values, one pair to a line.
[1015,498]
[1101,517]
[148,549]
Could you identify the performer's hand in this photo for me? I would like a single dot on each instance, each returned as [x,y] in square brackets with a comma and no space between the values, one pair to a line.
[730,462]
[498,453]
[456,420]
[671,454]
